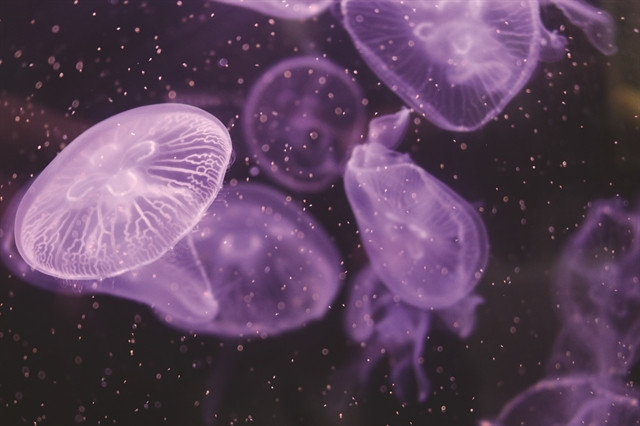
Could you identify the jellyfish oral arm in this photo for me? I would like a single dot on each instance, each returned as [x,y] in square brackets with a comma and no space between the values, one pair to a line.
[597,24]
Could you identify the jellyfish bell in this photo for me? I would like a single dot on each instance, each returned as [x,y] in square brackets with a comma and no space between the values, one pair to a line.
[460,62]
[300,121]
[425,242]
[595,287]
[123,193]
[271,266]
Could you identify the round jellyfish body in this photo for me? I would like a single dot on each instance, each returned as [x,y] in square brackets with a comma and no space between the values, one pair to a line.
[388,327]
[457,62]
[301,119]
[285,9]
[596,288]
[123,192]
[271,266]
[425,242]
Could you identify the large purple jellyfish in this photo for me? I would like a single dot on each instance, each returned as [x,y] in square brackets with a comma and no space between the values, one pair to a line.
[460,62]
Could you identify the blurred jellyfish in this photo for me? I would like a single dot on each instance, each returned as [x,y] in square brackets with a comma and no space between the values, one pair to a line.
[388,130]
[300,121]
[425,242]
[271,265]
[571,401]
[285,9]
[597,290]
[387,327]
[121,196]
[460,62]
[597,25]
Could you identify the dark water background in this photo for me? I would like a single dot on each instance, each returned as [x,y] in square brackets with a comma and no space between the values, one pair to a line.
[572,135]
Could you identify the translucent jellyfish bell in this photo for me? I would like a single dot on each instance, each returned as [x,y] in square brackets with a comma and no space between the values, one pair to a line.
[123,193]
[301,119]
[425,242]
[388,130]
[271,265]
[385,326]
[173,286]
[460,62]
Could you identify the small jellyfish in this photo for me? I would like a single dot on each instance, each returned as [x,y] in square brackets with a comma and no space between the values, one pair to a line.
[301,119]
[285,9]
[123,192]
[271,266]
[387,327]
[597,290]
[460,62]
[571,401]
[425,242]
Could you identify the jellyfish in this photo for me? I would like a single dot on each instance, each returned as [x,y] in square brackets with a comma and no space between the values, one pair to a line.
[123,192]
[173,286]
[425,242]
[271,266]
[596,24]
[121,196]
[459,62]
[389,129]
[597,290]
[285,9]
[301,119]
[571,401]
[255,265]
[385,326]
